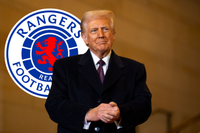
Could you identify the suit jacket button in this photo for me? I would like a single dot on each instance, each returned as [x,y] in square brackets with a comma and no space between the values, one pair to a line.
[96,129]
[99,101]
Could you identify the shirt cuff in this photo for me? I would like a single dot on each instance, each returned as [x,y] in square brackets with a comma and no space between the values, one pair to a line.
[118,123]
[86,125]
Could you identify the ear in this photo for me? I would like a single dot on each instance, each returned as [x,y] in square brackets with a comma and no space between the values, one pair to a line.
[84,36]
[113,36]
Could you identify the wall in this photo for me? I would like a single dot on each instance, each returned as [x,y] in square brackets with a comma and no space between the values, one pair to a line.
[164,35]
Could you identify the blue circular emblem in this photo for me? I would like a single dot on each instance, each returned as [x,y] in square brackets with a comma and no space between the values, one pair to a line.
[36,42]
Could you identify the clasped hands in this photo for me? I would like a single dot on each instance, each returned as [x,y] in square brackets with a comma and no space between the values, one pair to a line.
[107,113]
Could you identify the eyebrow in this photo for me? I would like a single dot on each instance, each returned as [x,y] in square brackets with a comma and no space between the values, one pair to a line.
[96,27]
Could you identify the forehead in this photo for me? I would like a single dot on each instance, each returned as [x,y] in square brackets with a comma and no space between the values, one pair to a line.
[98,22]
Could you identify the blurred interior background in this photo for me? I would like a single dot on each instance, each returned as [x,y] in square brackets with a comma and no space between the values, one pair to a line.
[162,34]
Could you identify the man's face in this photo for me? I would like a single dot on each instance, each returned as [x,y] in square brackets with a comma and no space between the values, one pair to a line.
[99,36]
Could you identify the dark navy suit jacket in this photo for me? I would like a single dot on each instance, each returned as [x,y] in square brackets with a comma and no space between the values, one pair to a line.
[76,88]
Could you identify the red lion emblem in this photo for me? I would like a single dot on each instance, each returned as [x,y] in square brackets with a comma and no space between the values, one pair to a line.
[51,45]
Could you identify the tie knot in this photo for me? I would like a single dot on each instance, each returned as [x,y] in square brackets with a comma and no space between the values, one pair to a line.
[101,62]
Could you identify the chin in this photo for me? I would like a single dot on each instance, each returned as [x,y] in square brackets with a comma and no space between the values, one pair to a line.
[103,49]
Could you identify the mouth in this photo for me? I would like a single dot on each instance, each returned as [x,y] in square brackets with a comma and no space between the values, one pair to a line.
[101,42]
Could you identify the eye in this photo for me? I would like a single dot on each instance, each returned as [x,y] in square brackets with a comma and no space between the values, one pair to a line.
[105,29]
[93,31]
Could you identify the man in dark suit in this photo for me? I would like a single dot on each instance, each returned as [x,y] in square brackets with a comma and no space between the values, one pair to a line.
[98,91]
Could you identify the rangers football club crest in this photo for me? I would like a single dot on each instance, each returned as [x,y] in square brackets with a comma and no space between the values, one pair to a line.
[36,42]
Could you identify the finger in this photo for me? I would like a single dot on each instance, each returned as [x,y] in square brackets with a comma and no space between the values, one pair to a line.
[104,119]
[107,118]
[112,104]
[103,107]
[114,114]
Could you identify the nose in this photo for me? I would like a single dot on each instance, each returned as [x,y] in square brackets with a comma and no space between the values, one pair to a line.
[100,33]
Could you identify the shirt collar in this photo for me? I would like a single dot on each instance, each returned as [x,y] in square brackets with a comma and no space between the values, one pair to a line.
[105,59]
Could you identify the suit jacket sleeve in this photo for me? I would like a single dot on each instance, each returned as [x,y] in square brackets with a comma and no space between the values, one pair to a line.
[61,110]
[138,109]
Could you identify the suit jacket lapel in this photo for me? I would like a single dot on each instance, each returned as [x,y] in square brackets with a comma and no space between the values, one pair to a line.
[114,72]
[88,70]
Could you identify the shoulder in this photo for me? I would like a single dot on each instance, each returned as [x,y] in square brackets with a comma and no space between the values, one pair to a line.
[70,58]
[124,60]
[68,61]
[133,67]
[127,63]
